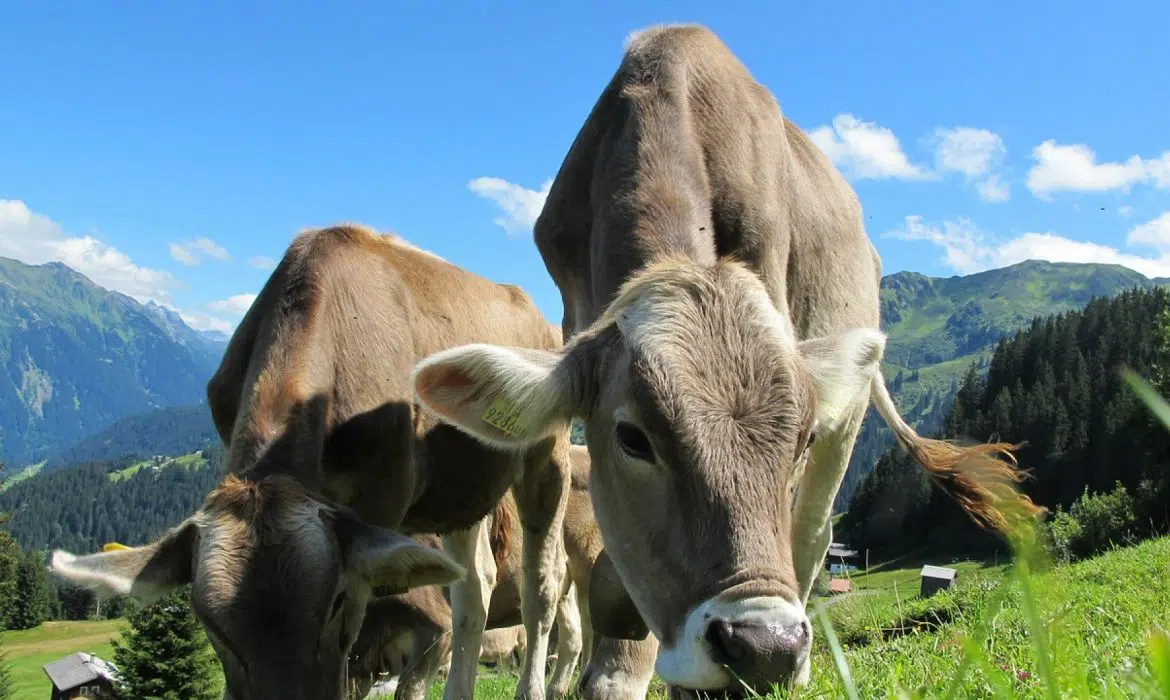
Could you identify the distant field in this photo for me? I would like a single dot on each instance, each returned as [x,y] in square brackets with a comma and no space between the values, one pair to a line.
[29,650]
[194,460]
[14,478]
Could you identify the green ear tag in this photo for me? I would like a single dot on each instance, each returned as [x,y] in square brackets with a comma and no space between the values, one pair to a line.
[505,417]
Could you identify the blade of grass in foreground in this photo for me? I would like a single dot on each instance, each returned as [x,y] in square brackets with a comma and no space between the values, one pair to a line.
[1036,628]
[1149,396]
[835,648]
[973,648]
[1159,645]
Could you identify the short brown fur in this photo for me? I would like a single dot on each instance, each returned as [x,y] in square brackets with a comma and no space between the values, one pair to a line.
[314,402]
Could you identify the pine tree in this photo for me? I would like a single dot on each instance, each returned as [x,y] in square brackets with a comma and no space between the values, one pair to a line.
[165,654]
[35,600]
[7,690]
[9,564]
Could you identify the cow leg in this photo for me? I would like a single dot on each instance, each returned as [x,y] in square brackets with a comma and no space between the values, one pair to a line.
[542,495]
[812,528]
[469,606]
[588,641]
[568,643]
[427,655]
[619,669]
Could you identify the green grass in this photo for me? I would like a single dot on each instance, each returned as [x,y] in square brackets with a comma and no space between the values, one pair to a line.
[194,460]
[1084,631]
[27,651]
[1078,631]
[11,480]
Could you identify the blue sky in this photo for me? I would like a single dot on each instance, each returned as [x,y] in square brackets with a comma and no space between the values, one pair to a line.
[172,150]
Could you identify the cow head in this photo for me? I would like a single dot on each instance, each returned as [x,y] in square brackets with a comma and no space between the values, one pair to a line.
[700,408]
[280,582]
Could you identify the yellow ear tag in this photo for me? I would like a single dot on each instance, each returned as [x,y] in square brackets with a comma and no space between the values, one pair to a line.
[505,417]
[113,547]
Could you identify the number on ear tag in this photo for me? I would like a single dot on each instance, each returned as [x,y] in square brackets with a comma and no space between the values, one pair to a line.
[505,417]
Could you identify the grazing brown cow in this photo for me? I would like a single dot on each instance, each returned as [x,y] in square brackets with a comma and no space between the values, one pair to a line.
[314,402]
[721,308]
[409,634]
[408,631]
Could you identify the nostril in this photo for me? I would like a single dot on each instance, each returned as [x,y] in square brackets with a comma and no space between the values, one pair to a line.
[805,631]
[725,648]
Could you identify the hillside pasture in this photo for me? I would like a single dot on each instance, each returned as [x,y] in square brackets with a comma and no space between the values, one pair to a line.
[1088,630]
[195,460]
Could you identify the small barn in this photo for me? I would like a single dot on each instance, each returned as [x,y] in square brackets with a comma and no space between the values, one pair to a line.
[840,559]
[837,586]
[81,675]
[935,579]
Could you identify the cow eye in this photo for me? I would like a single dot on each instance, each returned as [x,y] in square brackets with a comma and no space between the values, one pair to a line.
[634,442]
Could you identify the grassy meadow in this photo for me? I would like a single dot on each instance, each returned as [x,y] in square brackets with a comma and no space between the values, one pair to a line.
[1094,629]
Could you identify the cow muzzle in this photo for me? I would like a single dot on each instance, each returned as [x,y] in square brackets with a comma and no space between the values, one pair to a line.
[738,644]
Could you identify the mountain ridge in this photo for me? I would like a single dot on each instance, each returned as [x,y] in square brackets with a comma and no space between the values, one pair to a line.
[938,326]
[75,357]
[141,369]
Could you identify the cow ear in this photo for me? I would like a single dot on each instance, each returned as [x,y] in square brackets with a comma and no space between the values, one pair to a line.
[842,367]
[509,398]
[612,610]
[146,573]
[392,563]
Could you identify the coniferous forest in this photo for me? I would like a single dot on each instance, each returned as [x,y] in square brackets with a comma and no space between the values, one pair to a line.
[84,507]
[1056,387]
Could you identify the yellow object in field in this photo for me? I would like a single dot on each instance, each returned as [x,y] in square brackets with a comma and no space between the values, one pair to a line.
[113,547]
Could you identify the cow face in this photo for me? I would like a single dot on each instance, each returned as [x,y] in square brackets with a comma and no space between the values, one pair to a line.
[700,409]
[280,582]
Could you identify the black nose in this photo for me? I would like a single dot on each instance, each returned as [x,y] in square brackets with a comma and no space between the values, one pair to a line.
[758,652]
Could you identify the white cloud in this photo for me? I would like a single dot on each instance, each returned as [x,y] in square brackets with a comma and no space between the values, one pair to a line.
[972,152]
[993,190]
[237,305]
[262,262]
[206,322]
[1154,233]
[962,242]
[1074,168]
[183,255]
[191,252]
[36,239]
[967,249]
[1126,211]
[865,150]
[521,205]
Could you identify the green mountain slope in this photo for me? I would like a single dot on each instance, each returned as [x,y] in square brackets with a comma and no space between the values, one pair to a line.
[75,357]
[937,327]
[163,431]
[130,501]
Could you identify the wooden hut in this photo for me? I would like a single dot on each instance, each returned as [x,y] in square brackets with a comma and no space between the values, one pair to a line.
[935,579]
